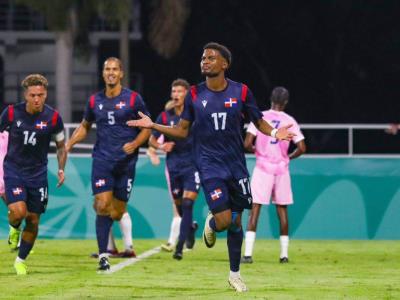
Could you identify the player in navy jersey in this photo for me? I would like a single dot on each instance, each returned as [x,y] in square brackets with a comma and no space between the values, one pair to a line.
[216,109]
[183,178]
[115,152]
[31,125]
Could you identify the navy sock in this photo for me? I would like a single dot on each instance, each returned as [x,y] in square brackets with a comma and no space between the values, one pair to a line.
[179,209]
[103,226]
[186,223]
[234,241]
[24,249]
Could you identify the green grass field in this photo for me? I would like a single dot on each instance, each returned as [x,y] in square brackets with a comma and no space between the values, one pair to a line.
[62,269]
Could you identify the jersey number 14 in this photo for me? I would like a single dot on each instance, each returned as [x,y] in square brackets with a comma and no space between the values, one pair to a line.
[29,138]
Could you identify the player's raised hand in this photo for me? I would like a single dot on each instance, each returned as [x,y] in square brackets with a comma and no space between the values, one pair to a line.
[144,122]
[129,148]
[393,129]
[167,146]
[61,178]
[284,134]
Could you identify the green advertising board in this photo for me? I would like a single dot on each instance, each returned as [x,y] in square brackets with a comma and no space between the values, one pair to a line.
[335,198]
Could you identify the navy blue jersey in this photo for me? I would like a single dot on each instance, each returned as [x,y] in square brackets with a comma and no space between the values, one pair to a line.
[217,119]
[110,116]
[29,138]
[181,155]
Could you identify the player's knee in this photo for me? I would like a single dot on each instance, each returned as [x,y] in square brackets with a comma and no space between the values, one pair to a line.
[116,215]
[102,208]
[17,215]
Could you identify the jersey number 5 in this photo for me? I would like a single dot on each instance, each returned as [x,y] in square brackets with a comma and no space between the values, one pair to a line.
[216,117]
[111,118]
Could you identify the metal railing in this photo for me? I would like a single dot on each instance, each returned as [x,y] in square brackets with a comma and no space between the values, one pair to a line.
[349,138]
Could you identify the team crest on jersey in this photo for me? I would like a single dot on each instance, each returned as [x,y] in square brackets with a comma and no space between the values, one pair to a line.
[19,123]
[120,105]
[216,194]
[17,191]
[100,183]
[100,106]
[231,102]
[41,125]
[204,102]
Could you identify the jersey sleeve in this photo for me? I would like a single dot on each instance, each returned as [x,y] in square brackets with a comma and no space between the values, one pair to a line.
[296,130]
[155,133]
[250,107]
[252,129]
[4,120]
[188,112]
[139,106]
[58,131]
[88,115]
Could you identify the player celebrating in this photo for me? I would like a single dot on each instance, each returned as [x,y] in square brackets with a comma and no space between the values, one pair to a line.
[271,174]
[183,178]
[215,108]
[115,152]
[31,126]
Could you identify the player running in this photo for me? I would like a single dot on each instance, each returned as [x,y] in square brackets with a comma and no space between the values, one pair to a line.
[215,110]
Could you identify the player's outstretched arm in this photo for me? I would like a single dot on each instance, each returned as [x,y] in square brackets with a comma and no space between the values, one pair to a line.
[62,159]
[179,131]
[282,133]
[79,134]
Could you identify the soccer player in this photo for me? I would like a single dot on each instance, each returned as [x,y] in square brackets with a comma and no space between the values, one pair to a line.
[271,176]
[115,152]
[182,176]
[31,126]
[215,108]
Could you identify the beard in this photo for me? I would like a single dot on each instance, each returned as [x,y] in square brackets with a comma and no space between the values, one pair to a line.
[209,74]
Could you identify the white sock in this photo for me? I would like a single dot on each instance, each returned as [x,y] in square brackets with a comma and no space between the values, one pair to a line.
[19,259]
[249,243]
[111,242]
[126,228]
[234,274]
[101,255]
[284,239]
[174,231]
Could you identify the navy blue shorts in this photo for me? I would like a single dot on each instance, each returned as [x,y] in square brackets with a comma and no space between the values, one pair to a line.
[35,197]
[222,194]
[183,180]
[115,177]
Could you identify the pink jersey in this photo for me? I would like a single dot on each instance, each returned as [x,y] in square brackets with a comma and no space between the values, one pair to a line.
[3,152]
[271,154]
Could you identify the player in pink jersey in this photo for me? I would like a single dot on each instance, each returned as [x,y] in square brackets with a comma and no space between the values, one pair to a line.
[3,152]
[271,178]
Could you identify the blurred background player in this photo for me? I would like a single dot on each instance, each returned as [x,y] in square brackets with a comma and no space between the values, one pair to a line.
[115,152]
[31,126]
[182,176]
[215,108]
[271,176]
[3,152]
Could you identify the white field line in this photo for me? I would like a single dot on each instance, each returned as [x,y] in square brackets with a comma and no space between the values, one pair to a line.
[131,261]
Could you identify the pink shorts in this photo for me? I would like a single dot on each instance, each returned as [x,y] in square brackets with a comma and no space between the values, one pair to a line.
[3,152]
[265,186]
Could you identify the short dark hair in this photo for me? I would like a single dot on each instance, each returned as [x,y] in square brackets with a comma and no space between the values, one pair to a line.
[223,50]
[280,95]
[114,59]
[180,82]
[33,80]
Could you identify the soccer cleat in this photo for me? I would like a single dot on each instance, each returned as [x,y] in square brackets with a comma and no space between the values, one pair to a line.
[104,265]
[167,247]
[127,254]
[284,260]
[209,235]
[13,238]
[237,284]
[191,239]
[177,255]
[246,260]
[20,267]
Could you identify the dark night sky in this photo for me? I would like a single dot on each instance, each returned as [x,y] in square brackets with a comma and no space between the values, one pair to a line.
[339,59]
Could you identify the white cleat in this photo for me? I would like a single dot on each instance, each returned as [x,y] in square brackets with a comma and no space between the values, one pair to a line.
[237,284]
[209,235]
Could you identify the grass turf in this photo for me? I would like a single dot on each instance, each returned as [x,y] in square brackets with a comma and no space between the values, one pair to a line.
[62,269]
